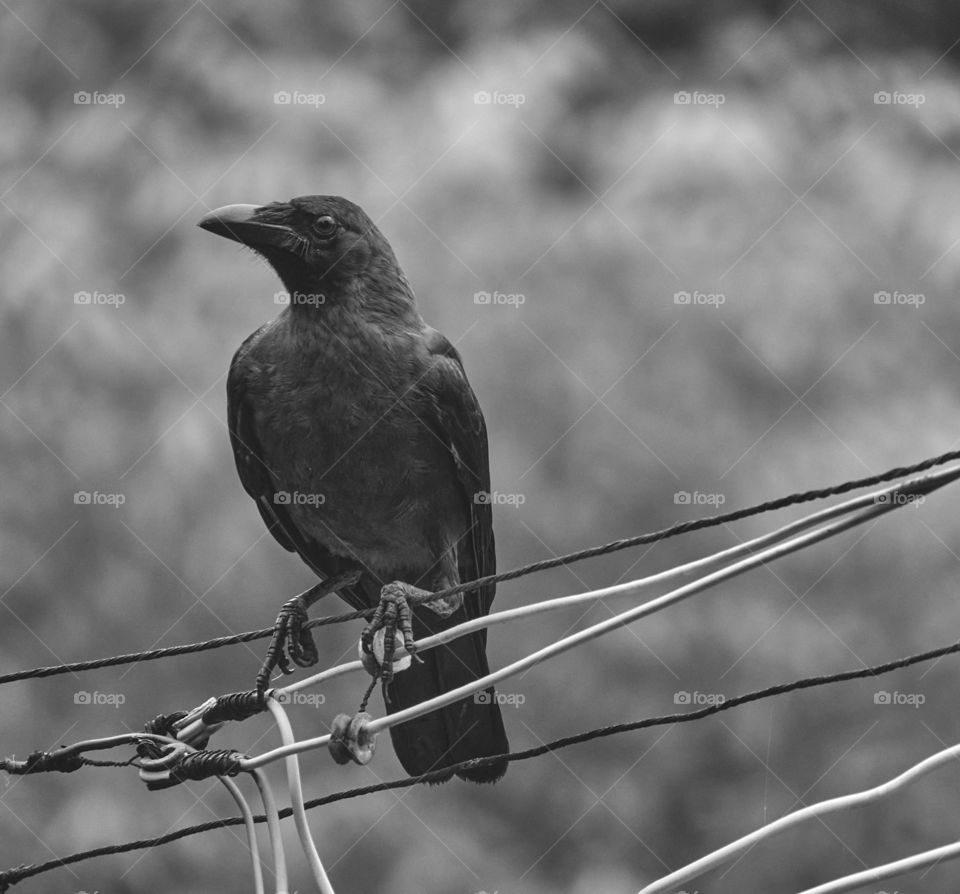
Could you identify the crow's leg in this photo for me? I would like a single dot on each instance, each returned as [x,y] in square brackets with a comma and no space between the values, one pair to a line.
[291,640]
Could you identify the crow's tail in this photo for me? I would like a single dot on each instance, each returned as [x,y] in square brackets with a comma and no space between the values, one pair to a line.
[467,729]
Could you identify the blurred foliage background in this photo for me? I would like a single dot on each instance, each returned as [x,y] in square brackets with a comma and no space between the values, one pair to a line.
[595,196]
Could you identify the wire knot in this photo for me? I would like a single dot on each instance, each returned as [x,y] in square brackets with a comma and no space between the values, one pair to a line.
[164,724]
[204,764]
[61,761]
[349,739]
[235,706]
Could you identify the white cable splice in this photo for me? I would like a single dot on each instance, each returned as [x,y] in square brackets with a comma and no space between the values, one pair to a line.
[269,804]
[833,805]
[296,798]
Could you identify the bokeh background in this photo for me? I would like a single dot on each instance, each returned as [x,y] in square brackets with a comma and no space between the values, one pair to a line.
[783,197]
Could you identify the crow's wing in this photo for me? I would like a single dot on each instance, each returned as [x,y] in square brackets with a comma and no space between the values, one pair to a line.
[461,426]
[258,481]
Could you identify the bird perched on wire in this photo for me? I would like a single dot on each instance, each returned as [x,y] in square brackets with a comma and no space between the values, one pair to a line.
[356,432]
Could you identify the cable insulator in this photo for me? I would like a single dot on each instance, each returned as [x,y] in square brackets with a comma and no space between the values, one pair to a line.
[350,741]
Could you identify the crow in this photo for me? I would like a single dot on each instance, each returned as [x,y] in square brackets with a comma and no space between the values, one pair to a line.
[356,432]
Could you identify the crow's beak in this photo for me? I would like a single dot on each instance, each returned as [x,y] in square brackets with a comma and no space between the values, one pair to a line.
[239,222]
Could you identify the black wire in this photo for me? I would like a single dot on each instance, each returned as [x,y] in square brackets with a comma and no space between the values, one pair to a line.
[17,874]
[556,562]
[154,654]
[96,762]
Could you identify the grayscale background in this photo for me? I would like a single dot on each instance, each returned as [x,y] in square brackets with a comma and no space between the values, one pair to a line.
[721,246]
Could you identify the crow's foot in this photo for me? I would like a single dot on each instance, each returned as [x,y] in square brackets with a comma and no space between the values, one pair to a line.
[393,613]
[291,639]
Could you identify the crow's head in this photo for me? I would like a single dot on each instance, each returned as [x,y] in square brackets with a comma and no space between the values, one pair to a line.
[320,244]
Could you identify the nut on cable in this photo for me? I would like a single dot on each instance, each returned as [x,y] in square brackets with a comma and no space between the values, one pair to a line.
[350,741]
[373,660]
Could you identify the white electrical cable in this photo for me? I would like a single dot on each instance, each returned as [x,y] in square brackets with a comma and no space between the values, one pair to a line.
[251,829]
[723,855]
[632,588]
[296,798]
[273,828]
[176,753]
[589,633]
[888,870]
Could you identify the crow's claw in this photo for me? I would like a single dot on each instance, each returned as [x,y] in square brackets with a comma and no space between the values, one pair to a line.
[291,639]
[300,645]
[393,613]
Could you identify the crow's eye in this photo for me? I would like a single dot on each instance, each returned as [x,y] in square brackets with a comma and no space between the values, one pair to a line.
[325,226]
